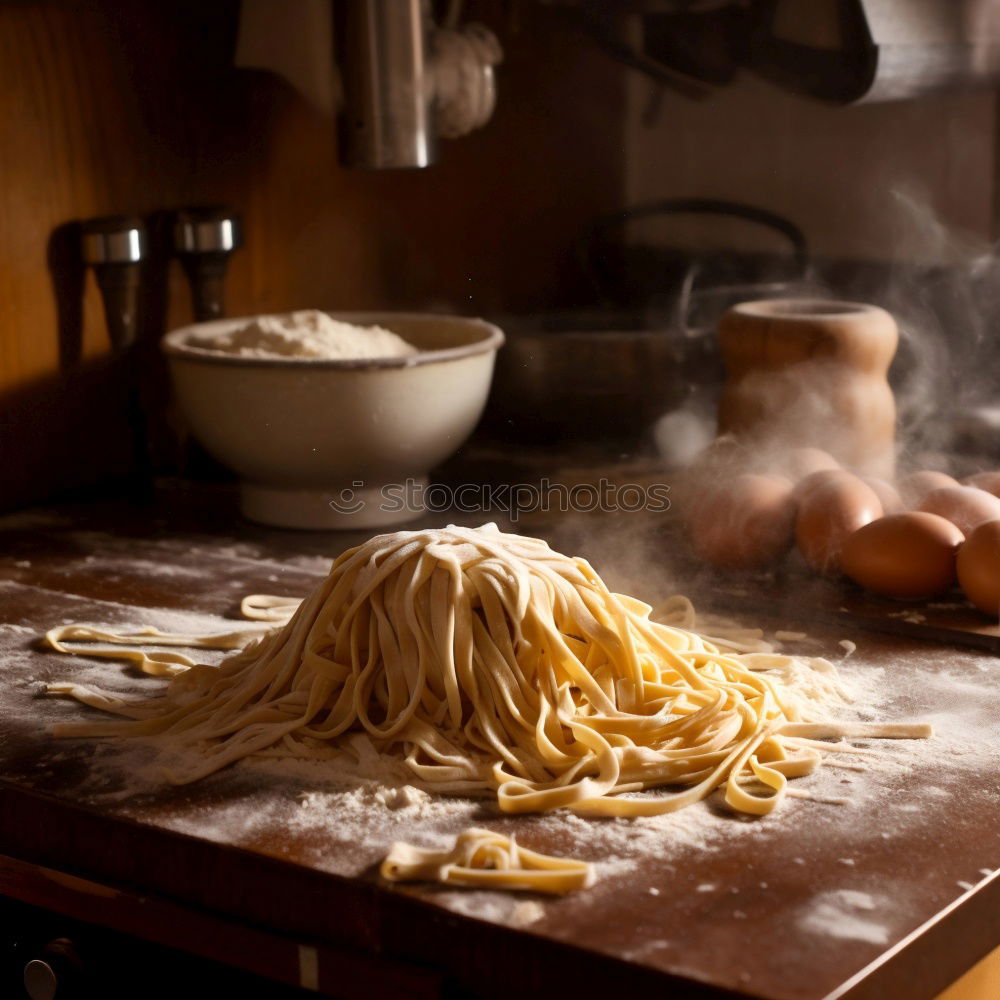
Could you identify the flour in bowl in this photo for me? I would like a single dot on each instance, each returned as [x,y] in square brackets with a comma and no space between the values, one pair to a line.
[307,333]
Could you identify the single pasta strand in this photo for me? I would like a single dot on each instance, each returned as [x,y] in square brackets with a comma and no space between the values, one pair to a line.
[486,663]
[162,664]
[269,608]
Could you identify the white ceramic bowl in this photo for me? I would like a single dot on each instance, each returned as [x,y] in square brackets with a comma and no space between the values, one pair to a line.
[333,444]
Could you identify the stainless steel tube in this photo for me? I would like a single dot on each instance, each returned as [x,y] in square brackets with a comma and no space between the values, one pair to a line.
[382,52]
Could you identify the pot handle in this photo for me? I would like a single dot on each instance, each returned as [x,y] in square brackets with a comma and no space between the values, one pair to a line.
[597,233]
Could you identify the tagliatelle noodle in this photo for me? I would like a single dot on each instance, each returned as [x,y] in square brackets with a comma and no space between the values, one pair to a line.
[158,664]
[268,608]
[487,860]
[487,662]
[265,608]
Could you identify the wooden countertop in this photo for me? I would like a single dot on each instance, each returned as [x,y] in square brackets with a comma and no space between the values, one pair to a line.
[894,894]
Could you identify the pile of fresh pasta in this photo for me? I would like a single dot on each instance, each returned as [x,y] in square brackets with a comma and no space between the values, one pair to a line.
[485,663]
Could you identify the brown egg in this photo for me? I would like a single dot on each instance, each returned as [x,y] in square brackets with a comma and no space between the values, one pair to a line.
[821,477]
[890,499]
[830,513]
[914,487]
[964,506]
[908,555]
[801,462]
[989,481]
[745,522]
[723,458]
[979,568]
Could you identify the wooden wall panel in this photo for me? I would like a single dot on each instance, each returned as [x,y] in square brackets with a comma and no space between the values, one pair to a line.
[130,107]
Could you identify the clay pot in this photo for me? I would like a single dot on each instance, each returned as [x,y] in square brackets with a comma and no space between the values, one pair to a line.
[805,372]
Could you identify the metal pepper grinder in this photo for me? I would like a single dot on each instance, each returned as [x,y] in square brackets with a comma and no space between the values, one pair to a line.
[204,239]
[114,247]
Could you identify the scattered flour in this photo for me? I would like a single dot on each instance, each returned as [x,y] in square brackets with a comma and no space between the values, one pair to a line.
[310,564]
[908,615]
[836,914]
[116,568]
[18,630]
[857,900]
[307,333]
[493,906]
[526,913]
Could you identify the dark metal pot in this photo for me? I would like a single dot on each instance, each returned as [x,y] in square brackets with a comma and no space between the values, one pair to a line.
[577,385]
